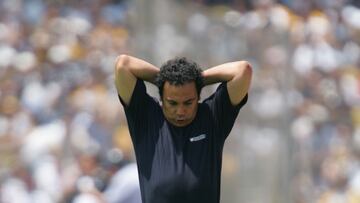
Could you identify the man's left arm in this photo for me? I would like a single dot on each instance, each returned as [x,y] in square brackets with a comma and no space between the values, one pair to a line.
[237,75]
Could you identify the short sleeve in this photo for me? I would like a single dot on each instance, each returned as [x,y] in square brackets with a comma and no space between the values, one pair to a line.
[135,110]
[137,98]
[223,112]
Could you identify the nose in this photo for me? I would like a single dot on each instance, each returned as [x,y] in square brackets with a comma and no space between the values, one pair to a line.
[181,111]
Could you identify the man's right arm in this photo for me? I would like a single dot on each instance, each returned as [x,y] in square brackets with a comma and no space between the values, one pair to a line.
[127,70]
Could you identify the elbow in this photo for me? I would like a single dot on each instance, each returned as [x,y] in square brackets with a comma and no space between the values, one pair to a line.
[122,62]
[245,69]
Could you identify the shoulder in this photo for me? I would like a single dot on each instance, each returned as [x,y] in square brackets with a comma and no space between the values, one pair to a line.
[219,92]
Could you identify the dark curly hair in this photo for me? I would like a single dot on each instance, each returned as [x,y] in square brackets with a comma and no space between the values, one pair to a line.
[179,71]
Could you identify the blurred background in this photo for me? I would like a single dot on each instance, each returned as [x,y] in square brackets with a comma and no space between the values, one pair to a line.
[63,134]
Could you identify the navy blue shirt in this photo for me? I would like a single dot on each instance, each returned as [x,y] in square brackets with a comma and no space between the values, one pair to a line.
[180,164]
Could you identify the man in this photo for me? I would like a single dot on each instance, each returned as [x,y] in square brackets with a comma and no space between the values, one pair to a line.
[178,144]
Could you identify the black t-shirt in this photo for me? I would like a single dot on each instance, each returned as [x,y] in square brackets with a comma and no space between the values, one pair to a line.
[180,164]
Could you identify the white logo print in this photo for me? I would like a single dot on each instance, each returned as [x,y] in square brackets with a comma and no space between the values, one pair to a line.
[197,138]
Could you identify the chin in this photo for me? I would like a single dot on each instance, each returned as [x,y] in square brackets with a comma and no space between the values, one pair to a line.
[181,124]
[178,124]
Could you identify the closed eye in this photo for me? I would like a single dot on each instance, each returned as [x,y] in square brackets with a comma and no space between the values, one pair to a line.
[187,103]
[172,103]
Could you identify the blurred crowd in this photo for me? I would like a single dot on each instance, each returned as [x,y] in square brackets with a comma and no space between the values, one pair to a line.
[60,132]
[63,136]
[304,98]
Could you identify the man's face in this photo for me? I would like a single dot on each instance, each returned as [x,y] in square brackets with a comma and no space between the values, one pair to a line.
[180,103]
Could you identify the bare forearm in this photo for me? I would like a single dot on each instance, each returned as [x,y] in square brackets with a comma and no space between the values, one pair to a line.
[224,72]
[237,75]
[137,67]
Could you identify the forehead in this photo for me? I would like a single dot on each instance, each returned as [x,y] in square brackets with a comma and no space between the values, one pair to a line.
[180,92]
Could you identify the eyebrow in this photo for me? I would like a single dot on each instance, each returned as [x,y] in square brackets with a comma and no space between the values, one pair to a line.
[189,100]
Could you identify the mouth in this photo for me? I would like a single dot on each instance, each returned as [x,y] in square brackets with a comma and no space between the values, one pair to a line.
[180,121]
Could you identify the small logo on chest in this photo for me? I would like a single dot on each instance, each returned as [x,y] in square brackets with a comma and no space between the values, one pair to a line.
[198,138]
